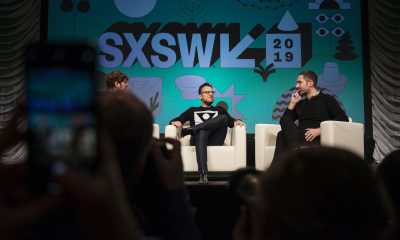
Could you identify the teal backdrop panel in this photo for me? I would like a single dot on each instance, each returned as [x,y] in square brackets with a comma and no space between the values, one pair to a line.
[251,51]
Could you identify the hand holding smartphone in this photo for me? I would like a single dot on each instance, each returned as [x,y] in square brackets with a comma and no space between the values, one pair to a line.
[61,112]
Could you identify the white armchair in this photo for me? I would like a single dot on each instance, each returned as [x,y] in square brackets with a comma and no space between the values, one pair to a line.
[228,157]
[347,135]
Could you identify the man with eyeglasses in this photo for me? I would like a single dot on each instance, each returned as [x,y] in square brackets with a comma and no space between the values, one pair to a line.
[208,126]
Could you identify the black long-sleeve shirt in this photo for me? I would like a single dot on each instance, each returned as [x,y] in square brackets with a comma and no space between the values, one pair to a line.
[200,114]
[311,112]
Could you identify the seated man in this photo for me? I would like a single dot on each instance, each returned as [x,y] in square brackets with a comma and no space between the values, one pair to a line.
[315,108]
[208,126]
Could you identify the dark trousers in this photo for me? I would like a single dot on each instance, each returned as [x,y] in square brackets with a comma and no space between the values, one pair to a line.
[290,138]
[209,133]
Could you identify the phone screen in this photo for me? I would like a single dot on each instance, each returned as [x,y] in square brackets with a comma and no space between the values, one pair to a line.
[61,112]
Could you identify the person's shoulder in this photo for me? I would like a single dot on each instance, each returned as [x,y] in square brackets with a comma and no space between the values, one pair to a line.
[219,108]
[192,108]
[325,95]
[328,97]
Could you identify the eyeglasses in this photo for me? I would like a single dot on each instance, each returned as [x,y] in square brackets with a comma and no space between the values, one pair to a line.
[208,92]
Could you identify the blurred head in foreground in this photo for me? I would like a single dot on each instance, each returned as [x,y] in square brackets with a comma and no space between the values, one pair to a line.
[130,124]
[321,193]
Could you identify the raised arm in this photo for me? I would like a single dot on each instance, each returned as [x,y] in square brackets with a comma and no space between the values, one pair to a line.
[185,116]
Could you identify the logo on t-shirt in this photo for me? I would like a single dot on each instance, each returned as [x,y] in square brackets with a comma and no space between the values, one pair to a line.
[201,116]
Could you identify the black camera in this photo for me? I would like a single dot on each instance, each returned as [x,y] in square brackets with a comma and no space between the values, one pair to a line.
[243,185]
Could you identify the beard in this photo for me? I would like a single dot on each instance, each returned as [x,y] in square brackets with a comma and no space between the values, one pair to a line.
[208,103]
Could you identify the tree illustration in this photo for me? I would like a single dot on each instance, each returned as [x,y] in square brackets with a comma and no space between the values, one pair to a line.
[264,72]
[345,49]
[192,11]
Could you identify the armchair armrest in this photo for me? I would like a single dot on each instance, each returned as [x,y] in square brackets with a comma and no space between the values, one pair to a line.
[156,130]
[265,136]
[238,136]
[347,135]
[239,139]
[171,132]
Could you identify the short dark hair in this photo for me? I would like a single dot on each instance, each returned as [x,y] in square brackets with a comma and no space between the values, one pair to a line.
[204,85]
[316,192]
[310,75]
[129,124]
[115,76]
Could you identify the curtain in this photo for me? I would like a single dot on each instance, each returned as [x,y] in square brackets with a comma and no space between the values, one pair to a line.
[384,36]
[19,27]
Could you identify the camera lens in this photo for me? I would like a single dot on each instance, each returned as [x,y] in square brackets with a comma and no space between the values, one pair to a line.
[247,188]
[243,185]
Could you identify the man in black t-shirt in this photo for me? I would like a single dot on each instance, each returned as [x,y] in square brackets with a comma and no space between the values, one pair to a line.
[208,126]
[309,111]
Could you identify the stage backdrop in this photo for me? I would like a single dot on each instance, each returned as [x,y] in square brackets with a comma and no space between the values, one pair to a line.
[250,50]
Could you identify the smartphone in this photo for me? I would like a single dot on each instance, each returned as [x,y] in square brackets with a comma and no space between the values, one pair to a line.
[61,113]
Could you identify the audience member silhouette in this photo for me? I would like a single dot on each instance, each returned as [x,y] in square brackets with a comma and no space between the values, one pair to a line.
[105,205]
[389,171]
[153,174]
[317,193]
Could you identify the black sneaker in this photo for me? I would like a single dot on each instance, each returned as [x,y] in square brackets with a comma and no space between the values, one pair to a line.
[203,178]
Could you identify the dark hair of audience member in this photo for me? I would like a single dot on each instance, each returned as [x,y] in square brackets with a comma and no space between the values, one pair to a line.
[389,172]
[130,125]
[115,76]
[322,193]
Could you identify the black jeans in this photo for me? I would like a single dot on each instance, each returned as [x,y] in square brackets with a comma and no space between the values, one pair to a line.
[290,138]
[208,133]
